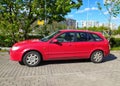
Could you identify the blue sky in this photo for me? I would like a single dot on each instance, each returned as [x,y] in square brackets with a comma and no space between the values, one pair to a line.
[90,9]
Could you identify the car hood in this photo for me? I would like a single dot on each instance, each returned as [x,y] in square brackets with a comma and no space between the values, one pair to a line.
[27,42]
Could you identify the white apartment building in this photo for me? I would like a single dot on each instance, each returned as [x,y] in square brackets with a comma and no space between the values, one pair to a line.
[112,25]
[92,23]
[89,23]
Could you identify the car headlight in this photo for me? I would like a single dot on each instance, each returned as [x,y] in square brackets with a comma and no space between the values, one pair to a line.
[15,48]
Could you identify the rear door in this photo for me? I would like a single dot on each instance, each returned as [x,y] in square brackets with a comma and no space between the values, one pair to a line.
[83,45]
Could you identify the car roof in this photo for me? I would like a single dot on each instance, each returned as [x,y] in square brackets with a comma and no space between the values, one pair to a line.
[71,30]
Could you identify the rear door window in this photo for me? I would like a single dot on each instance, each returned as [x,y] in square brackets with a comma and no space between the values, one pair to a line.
[82,36]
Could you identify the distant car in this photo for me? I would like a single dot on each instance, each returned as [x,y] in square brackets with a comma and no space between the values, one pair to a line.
[61,45]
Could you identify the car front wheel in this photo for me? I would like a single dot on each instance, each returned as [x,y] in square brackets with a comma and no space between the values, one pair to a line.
[32,59]
[97,57]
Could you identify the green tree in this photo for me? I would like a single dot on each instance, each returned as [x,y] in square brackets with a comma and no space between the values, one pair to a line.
[113,8]
[17,16]
[118,30]
[98,29]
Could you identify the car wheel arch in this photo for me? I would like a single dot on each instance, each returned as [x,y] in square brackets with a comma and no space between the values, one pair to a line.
[30,51]
[97,56]
[95,51]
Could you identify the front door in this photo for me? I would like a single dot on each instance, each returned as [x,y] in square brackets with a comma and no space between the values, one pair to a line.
[62,49]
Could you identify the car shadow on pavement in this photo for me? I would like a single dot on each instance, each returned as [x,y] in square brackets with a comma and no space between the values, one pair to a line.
[110,57]
[64,61]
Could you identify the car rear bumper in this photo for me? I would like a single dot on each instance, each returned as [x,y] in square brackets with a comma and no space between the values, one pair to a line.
[106,53]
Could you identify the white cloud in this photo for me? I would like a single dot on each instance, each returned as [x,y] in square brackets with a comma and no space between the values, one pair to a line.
[106,12]
[87,9]
[116,18]
[94,8]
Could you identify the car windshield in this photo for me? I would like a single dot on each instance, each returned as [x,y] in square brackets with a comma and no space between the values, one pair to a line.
[45,39]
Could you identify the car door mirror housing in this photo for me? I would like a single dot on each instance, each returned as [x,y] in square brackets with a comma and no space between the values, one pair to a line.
[55,41]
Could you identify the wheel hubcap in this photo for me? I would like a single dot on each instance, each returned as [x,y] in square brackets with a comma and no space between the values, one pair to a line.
[98,56]
[32,59]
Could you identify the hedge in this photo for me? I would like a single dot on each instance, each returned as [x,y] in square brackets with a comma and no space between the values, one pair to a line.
[6,41]
[115,42]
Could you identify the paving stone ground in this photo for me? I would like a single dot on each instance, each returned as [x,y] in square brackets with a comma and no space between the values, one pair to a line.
[61,73]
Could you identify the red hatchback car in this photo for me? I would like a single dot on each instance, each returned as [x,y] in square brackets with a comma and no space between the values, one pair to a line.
[61,45]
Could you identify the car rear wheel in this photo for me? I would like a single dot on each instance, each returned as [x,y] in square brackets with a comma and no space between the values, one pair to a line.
[97,57]
[32,59]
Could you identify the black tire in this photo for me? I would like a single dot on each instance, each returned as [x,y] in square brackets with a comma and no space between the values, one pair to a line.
[32,59]
[97,57]
[21,63]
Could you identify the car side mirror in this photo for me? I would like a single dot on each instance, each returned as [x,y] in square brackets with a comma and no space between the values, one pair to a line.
[55,41]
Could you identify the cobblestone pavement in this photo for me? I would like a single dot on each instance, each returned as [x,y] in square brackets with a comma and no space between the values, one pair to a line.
[61,73]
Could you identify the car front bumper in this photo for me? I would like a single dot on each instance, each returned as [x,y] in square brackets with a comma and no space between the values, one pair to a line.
[15,55]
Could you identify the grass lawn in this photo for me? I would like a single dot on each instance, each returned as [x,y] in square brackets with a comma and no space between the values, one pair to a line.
[115,48]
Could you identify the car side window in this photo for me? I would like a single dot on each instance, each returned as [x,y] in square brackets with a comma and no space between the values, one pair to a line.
[66,37]
[96,37]
[81,36]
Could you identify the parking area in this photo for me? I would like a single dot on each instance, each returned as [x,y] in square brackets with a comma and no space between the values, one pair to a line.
[61,73]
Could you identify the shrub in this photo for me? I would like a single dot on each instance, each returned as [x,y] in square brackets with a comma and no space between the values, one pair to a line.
[35,37]
[6,41]
[115,42]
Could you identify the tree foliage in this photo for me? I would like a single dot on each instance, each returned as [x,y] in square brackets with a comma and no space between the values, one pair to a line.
[117,32]
[98,29]
[113,9]
[17,16]
[112,6]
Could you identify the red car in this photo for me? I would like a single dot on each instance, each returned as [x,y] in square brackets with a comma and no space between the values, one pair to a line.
[61,45]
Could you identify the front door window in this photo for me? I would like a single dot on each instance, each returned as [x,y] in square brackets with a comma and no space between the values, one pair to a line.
[66,37]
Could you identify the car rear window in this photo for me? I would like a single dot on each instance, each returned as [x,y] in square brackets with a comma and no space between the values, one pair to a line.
[96,37]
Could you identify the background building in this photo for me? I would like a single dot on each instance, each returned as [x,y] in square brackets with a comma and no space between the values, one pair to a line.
[89,23]
[71,23]
[92,23]
[112,25]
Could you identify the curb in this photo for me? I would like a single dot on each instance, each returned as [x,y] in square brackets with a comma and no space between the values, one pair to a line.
[5,48]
